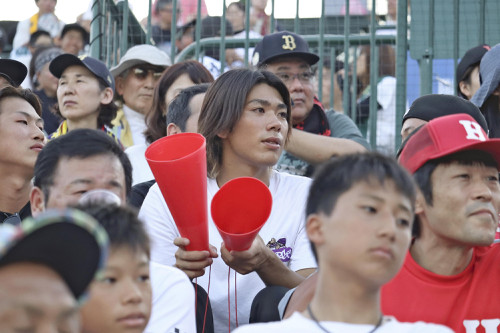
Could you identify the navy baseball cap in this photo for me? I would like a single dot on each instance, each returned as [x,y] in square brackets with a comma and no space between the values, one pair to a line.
[471,58]
[97,67]
[13,71]
[283,44]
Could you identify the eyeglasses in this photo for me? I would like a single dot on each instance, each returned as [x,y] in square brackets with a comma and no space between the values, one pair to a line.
[287,78]
[142,73]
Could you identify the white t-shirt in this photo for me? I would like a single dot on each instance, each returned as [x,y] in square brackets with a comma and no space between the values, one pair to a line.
[212,65]
[137,124]
[22,54]
[386,117]
[285,228]
[173,301]
[48,22]
[241,51]
[140,167]
[300,324]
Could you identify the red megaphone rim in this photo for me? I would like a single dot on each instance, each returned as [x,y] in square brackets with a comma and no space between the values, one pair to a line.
[186,145]
[239,196]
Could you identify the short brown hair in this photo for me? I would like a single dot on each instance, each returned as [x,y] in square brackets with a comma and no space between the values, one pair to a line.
[224,103]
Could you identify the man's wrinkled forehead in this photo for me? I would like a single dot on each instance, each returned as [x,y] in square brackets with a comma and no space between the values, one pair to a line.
[288,63]
[469,158]
[63,160]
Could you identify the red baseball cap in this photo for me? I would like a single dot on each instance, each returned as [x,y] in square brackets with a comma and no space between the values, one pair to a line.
[444,136]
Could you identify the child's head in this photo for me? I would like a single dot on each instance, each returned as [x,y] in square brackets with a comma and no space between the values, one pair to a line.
[359,214]
[120,298]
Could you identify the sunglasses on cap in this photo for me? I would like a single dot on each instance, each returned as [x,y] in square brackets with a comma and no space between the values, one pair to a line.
[142,73]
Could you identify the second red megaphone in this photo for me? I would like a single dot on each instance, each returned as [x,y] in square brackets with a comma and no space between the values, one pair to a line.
[179,165]
[240,209]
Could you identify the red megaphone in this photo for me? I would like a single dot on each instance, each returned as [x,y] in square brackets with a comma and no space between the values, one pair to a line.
[239,210]
[179,165]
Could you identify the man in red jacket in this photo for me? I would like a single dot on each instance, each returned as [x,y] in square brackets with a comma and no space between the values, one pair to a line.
[451,272]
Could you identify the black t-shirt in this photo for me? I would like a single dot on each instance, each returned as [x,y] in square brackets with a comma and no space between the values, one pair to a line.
[51,121]
[491,112]
[159,35]
[16,218]
[138,193]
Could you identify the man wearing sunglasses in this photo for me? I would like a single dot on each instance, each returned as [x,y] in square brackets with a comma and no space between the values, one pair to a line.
[316,135]
[136,75]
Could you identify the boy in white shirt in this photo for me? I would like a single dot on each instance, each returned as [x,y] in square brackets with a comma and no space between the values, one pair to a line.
[359,219]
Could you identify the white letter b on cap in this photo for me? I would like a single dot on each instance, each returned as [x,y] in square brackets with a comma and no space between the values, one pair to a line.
[474,131]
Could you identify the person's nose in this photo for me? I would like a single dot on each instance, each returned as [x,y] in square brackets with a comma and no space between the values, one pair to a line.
[481,190]
[295,84]
[274,122]
[131,292]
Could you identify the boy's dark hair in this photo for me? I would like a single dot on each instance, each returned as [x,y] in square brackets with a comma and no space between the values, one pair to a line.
[79,143]
[238,4]
[34,36]
[121,224]
[179,110]
[423,175]
[26,94]
[338,175]
[162,3]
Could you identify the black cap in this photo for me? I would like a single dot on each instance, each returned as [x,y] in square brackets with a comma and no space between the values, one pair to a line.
[60,63]
[432,106]
[183,28]
[211,27]
[14,71]
[77,27]
[70,242]
[283,44]
[471,58]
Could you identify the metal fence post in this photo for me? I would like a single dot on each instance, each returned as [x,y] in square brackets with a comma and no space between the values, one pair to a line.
[95,29]
[401,59]
[347,30]
[426,62]
[372,119]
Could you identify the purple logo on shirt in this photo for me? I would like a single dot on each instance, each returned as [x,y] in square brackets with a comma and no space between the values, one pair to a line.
[279,247]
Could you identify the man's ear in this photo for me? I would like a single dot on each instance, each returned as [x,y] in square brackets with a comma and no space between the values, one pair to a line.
[464,88]
[314,228]
[57,41]
[119,85]
[420,203]
[173,129]
[37,201]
